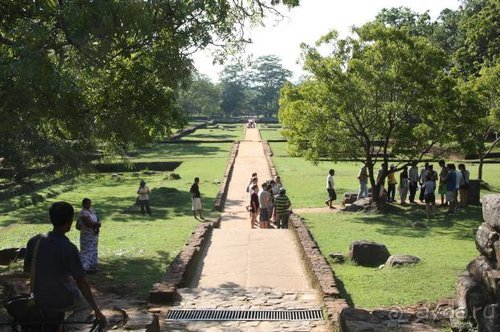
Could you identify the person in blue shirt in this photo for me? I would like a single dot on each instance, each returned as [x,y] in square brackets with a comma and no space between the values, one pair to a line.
[59,278]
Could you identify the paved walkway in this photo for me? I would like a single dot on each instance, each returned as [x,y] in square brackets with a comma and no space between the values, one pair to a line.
[260,268]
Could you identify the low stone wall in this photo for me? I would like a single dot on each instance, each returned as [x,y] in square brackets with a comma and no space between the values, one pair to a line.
[269,153]
[320,273]
[220,199]
[187,131]
[180,270]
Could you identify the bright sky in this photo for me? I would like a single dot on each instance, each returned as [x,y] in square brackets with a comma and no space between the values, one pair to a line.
[311,20]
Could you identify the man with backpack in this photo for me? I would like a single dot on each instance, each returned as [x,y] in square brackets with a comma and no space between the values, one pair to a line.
[59,283]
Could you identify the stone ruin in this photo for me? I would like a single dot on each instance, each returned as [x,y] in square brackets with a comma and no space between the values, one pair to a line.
[478,289]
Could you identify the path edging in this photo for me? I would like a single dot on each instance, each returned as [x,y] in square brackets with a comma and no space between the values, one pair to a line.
[269,153]
[320,272]
[179,271]
[220,199]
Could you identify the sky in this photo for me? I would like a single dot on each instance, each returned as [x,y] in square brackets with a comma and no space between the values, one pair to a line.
[308,22]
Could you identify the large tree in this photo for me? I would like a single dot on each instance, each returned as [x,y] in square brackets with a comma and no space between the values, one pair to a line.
[382,94]
[201,98]
[471,36]
[234,86]
[267,77]
[76,73]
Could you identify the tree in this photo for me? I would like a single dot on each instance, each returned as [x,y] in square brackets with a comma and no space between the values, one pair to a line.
[78,74]
[267,77]
[470,34]
[234,89]
[384,94]
[201,97]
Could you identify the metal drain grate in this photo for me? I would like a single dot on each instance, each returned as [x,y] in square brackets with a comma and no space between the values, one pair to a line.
[260,315]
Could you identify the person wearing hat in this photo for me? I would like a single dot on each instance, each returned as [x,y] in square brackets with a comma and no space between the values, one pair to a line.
[391,188]
[282,206]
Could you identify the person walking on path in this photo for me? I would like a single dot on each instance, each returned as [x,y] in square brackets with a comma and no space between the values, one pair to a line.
[282,206]
[196,198]
[413,179]
[363,182]
[58,275]
[330,188]
[442,182]
[89,225]
[143,198]
[254,205]
[403,185]
[264,204]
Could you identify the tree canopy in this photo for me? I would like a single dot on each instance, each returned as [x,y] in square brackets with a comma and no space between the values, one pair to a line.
[76,74]
[381,94]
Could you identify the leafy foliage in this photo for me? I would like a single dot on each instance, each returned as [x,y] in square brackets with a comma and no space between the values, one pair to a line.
[383,94]
[78,73]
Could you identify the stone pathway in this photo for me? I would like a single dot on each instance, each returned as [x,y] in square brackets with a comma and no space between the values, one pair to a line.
[249,269]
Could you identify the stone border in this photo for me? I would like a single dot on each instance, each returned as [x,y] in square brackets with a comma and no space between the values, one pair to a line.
[320,272]
[180,270]
[186,131]
[220,200]
[269,153]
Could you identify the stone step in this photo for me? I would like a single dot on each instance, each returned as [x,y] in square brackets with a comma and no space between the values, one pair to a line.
[246,299]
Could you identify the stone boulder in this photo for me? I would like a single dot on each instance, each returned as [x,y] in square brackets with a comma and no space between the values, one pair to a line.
[401,260]
[491,210]
[367,253]
[349,198]
[359,205]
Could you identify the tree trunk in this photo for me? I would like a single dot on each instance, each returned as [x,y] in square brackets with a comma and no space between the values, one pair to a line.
[480,168]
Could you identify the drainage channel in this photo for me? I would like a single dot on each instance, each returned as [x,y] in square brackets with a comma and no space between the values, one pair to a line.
[246,315]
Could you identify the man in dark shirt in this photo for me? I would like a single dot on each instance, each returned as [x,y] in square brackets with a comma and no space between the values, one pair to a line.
[196,195]
[60,283]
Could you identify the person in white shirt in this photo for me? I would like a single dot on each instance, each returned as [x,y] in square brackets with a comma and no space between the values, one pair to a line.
[330,188]
[429,187]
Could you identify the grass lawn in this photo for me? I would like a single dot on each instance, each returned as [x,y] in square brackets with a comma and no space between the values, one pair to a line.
[270,132]
[306,182]
[445,247]
[134,250]
[217,132]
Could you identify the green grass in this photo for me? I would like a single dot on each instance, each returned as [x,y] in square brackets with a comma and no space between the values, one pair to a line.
[445,249]
[306,182]
[217,132]
[270,132]
[178,152]
[134,249]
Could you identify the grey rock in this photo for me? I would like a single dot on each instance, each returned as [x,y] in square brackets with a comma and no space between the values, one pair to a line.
[400,260]
[337,257]
[491,210]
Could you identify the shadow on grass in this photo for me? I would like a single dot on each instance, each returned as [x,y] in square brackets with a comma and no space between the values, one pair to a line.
[130,277]
[211,137]
[398,221]
[166,203]
[344,294]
